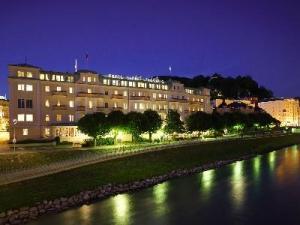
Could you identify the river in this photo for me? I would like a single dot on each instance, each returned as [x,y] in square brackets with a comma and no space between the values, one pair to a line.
[263,190]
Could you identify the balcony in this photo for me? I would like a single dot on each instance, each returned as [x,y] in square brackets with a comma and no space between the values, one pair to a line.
[89,95]
[117,96]
[183,100]
[80,108]
[59,107]
[161,99]
[59,93]
[145,98]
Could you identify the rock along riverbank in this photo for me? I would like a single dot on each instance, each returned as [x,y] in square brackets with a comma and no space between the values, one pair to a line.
[26,214]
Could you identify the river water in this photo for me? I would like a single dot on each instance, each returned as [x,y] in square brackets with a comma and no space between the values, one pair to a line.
[263,190]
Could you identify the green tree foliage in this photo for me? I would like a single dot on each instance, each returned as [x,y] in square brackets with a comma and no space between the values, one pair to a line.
[199,121]
[94,125]
[116,121]
[228,87]
[152,122]
[173,123]
[135,124]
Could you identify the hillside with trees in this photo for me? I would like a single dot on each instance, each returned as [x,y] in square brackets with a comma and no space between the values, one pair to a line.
[225,87]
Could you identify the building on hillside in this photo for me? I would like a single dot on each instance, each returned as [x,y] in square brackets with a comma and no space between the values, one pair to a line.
[48,104]
[287,111]
[236,105]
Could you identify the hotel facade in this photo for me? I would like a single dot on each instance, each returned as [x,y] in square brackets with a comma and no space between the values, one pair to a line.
[48,104]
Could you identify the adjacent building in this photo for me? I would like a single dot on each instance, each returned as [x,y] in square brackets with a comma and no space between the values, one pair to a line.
[48,104]
[248,105]
[287,111]
[4,119]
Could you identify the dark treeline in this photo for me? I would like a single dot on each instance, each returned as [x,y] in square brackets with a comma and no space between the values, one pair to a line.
[226,87]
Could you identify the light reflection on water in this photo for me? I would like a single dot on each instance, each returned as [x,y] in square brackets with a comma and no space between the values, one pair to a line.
[240,190]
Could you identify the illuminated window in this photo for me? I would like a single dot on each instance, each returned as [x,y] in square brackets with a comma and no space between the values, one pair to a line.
[29,117]
[202,109]
[154,95]
[115,105]
[125,106]
[21,87]
[42,76]
[202,100]
[124,83]
[47,103]
[47,118]
[83,78]
[21,117]
[21,74]
[29,87]
[71,90]
[90,104]
[94,79]
[125,93]
[47,131]
[71,104]
[89,90]
[29,74]
[58,117]
[25,132]
[115,92]
[105,81]
[58,103]
[89,79]
[58,88]
[154,106]
[71,118]
[47,88]
[135,106]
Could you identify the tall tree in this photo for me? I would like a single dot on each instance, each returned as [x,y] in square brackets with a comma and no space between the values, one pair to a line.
[199,121]
[152,123]
[116,122]
[173,123]
[135,124]
[94,125]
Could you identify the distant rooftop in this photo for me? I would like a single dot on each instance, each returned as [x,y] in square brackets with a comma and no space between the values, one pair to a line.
[25,65]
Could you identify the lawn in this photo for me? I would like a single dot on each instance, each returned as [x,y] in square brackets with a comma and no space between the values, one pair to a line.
[134,168]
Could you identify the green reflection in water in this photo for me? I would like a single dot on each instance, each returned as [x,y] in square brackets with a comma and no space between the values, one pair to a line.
[160,193]
[272,159]
[257,167]
[238,184]
[207,179]
[121,208]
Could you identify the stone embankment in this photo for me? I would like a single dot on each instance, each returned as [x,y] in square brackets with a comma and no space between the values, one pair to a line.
[26,214]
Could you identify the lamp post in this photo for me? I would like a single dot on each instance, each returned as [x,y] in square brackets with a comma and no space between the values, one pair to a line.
[15,121]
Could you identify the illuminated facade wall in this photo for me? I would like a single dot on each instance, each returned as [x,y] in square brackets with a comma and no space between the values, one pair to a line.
[287,111]
[4,116]
[48,104]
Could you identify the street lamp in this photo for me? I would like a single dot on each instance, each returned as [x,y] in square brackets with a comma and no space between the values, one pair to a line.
[15,121]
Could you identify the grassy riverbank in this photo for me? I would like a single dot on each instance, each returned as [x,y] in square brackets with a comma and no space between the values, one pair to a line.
[134,168]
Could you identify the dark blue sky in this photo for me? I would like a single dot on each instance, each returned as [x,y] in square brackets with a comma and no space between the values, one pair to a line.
[255,37]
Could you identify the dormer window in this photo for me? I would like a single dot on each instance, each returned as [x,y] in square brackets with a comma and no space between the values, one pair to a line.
[21,74]
[29,75]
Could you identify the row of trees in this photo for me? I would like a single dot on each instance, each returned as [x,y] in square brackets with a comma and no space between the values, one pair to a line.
[99,124]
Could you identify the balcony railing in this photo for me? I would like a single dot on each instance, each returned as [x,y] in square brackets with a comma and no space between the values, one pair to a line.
[80,108]
[146,98]
[117,96]
[178,100]
[59,107]
[59,93]
[90,95]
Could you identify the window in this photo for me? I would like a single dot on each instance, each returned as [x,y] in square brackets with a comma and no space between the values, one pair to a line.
[58,88]
[29,74]
[135,106]
[142,106]
[106,92]
[125,106]
[29,87]
[115,92]
[106,105]
[47,131]
[29,103]
[47,118]
[25,132]
[58,117]
[83,78]
[125,93]
[115,105]
[89,90]
[71,90]
[89,79]
[21,117]
[58,103]
[21,87]
[21,103]
[94,79]
[71,104]
[201,100]
[47,103]
[201,109]
[47,89]
[71,118]
[105,81]
[42,76]
[21,74]
[90,104]
[154,95]
[29,117]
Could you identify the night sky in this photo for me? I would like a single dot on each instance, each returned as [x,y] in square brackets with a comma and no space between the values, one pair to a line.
[254,37]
